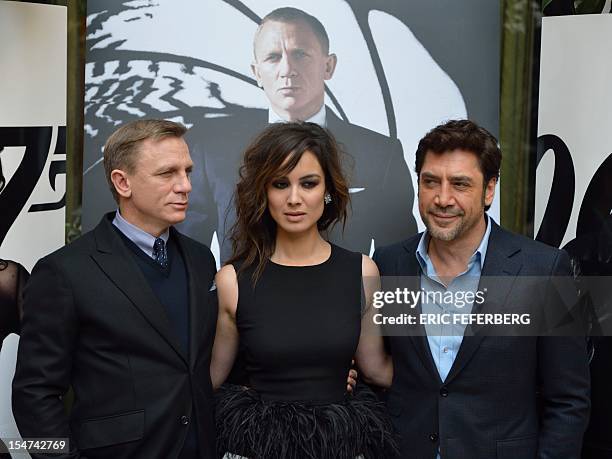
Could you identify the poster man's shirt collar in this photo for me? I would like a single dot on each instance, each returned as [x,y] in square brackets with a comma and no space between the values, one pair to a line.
[318,118]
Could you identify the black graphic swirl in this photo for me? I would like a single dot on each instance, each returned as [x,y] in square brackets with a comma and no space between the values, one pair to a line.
[597,202]
[561,199]
[37,141]
[57,166]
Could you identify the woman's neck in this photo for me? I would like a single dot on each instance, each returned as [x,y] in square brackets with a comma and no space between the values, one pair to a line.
[300,249]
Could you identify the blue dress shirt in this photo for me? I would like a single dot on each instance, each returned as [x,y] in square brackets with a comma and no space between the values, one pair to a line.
[445,340]
[141,238]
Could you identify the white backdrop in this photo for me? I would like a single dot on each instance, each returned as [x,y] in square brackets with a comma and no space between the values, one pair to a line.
[142,63]
[575,105]
[32,94]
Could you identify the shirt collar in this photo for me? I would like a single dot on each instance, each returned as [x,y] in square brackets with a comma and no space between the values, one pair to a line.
[141,238]
[479,253]
[318,118]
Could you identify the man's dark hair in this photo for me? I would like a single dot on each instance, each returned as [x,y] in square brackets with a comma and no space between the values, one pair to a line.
[293,15]
[463,135]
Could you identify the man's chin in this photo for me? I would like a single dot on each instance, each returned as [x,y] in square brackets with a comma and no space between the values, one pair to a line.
[443,234]
[177,217]
[291,109]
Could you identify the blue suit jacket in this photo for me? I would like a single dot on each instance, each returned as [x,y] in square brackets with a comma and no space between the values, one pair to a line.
[505,396]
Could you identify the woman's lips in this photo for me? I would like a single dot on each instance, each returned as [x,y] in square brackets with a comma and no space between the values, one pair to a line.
[294,216]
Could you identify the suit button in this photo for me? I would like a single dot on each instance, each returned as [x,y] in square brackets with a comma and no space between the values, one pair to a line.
[444,392]
[433,437]
[184,420]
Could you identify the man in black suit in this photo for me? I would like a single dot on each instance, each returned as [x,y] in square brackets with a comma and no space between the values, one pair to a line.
[291,63]
[471,394]
[124,317]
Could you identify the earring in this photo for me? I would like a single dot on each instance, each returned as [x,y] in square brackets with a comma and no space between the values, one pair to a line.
[327,198]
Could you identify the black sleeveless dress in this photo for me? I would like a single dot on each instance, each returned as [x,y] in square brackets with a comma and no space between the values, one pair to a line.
[299,329]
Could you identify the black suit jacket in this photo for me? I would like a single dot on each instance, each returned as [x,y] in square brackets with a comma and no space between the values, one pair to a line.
[505,397]
[592,253]
[382,194]
[92,322]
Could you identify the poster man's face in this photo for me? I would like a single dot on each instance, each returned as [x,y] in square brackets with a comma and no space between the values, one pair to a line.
[292,67]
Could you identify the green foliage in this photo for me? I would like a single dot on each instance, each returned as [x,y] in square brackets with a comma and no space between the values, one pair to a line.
[73,225]
[545,3]
[589,6]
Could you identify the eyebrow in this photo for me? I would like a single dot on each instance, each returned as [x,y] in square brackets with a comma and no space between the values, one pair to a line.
[310,176]
[454,178]
[273,52]
[171,168]
[461,178]
[428,175]
[305,177]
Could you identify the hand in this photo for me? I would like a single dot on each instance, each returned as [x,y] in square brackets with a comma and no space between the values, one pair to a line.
[351,381]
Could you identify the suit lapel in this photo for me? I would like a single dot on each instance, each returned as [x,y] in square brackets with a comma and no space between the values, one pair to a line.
[114,259]
[331,120]
[197,300]
[499,264]
[412,268]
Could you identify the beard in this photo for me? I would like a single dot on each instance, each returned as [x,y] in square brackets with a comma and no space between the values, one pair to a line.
[461,226]
[449,233]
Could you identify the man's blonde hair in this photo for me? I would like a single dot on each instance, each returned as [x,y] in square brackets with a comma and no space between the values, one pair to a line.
[122,147]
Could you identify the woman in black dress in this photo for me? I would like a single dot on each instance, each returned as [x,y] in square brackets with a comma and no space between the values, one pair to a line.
[293,304]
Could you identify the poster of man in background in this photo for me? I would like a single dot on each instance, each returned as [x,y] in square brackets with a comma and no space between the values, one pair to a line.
[392,77]
[291,63]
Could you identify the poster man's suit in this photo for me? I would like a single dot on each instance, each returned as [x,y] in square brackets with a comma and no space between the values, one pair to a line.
[380,182]
[100,329]
[505,397]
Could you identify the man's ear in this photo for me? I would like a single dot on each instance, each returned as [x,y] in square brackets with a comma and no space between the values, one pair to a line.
[330,66]
[490,191]
[121,183]
[255,71]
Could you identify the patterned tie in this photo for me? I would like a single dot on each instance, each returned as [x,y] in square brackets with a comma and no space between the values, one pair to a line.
[159,252]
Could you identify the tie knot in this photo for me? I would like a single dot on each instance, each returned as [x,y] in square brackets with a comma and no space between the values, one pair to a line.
[159,252]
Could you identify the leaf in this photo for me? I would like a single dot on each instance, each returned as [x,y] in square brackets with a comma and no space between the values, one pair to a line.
[545,3]
[589,6]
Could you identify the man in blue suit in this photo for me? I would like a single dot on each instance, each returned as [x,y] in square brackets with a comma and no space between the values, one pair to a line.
[463,395]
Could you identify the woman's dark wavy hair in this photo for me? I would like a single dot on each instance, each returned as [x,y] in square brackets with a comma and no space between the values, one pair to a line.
[276,152]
